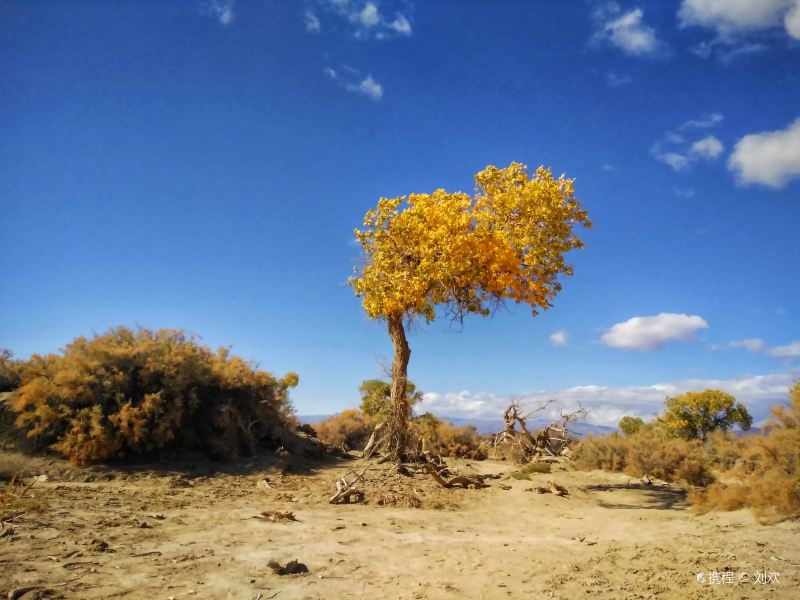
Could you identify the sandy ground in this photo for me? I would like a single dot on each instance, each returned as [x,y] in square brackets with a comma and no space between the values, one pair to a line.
[191,534]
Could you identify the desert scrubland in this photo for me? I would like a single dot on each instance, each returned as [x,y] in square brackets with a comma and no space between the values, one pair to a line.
[196,530]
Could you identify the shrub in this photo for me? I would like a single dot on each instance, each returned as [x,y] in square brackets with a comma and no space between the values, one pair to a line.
[129,392]
[534,467]
[607,452]
[765,475]
[351,428]
[376,397]
[445,439]
[631,425]
[649,452]
[10,371]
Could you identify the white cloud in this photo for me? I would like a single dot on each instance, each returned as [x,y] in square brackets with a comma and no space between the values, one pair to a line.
[771,158]
[369,16]
[734,18]
[609,404]
[367,87]
[222,10]
[673,159]
[351,80]
[674,150]
[792,21]
[650,333]
[559,338]
[401,25]
[626,31]
[608,168]
[312,22]
[759,346]
[683,192]
[367,20]
[709,147]
[704,122]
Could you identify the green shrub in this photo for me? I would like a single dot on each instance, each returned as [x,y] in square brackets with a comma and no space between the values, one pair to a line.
[129,392]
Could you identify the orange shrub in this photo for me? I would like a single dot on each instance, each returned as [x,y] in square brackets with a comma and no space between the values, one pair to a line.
[445,439]
[129,392]
[765,475]
[351,428]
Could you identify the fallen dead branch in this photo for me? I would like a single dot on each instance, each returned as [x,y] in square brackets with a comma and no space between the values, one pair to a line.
[552,488]
[345,490]
[375,441]
[551,441]
[438,474]
[276,516]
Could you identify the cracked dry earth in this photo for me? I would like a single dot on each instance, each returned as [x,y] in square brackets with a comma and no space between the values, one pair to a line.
[161,534]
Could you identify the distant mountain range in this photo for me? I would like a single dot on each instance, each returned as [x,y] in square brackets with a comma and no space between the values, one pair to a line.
[487,426]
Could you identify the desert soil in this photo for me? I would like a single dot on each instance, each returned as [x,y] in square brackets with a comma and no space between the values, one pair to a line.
[192,532]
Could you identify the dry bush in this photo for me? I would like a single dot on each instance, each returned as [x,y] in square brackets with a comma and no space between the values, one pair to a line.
[10,371]
[351,429]
[14,498]
[650,452]
[534,467]
[136,392]
[445,439]
[607,452]
[765,473]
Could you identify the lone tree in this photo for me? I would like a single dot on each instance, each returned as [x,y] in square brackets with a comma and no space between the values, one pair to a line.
[696,414]
[466,254]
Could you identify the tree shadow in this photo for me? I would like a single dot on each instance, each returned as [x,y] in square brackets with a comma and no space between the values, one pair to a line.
[655,497]
[301,455]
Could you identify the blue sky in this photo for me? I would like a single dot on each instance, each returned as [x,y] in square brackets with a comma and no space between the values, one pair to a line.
[202,165]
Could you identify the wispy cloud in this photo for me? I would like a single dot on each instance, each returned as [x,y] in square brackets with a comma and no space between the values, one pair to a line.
[683,192]
[312,22]
[614,80]
[221,10]
[704,122]
[676,151]
[759,346]
[626,31]
[369,19]
[651,333]
[609,404]
[770,158]
[559,338]
[350,79]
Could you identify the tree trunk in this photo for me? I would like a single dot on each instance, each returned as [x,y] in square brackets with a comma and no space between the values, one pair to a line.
[398,427]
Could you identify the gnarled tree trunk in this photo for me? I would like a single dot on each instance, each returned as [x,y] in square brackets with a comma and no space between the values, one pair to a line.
[398,426]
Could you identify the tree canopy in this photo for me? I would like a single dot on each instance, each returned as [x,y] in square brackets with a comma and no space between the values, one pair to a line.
[696,414]
[376,397]
[469,253]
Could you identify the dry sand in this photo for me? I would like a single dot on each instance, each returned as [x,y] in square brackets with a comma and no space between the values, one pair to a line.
[164,534]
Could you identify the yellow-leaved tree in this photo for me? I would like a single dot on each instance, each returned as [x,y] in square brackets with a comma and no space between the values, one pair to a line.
[465,254]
